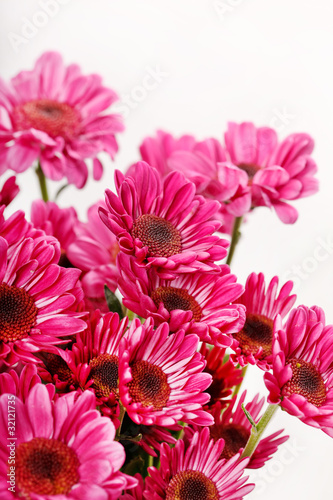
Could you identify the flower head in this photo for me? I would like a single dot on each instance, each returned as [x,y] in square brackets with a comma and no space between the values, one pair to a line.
[53,114]
[253,344]
[197,302]
[197,471]
[163,224]
[302,378]
[64,449]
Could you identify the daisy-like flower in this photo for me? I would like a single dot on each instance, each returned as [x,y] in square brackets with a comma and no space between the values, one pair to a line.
[163,223]
[54,114]
[64,449]
[234,428]
[225,374]
[302,378]
[9,191]
[275,173]
[197,472]
[253,344]
[57,222]
[94,251]
[39,300]
[160,376]
[197,302]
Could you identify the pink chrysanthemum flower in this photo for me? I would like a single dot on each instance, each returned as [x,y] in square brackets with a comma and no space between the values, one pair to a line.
[63,449]
[253,344]
[39,300]
[94,251]
[302,378]
[54,114]
[164,224]
[57,222]
[197,302]
[225,374]
[160,376]
[234,428]
[275,173]
[9,191]
[196,472]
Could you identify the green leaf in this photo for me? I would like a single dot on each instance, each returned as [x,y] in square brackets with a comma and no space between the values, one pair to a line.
[114,304]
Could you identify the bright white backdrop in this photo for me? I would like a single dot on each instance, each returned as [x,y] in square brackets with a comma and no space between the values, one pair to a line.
[212,61]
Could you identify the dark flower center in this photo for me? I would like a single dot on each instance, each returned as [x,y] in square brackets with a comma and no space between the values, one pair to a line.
[55,365]
[159,235]
[257,332]
[53,117]
[176,298]
[17,313]
[104,371]
[191,485]
[46,467]
[306,381]
[250,169]
[149,385]
[235,437]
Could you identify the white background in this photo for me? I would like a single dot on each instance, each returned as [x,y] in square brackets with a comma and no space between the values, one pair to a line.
[229,60]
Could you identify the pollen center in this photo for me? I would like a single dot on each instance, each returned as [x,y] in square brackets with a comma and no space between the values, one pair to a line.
[250,169]
[158,234]
[54,118]
[46,467]
[235,436]
[17,313]
[176,298]
[191,485]
[104,371]
[257,332]
[306,381]
[149,385]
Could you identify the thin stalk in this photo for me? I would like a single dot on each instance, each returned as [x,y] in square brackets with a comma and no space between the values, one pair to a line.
[122,412]
[258,430]
[237,387]
[42,182]
[234,238]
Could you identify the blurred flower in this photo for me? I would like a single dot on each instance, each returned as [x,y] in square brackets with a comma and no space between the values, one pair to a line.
[9,191]
[53,114]
[302,378]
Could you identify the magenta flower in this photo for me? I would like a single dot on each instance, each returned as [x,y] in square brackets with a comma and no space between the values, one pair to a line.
[163,224]
[197,472]
[197,302]
[276,173]
[160,376]
[253,344]
[94,251]
[234,428]
[54,114]
[64,449]
[137,492]
[39,300]
[57,222]
[302,378]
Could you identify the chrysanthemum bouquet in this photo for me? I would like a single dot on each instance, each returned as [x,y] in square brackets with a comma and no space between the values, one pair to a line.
[124,340]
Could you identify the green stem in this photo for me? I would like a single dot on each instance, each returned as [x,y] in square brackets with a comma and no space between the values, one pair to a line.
[122,412]
[258,430]
[234,238]
[42,182]
[237,387]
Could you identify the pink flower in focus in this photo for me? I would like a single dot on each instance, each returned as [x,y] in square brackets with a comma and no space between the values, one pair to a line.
[54,114]
[57,222]
[39,300]
[234,428]
[64,449]
[94,251]
[253,344]
[163,224]
[197,472]
[197,302]
[9,191]
[160,376]
[275,173]
[302,378]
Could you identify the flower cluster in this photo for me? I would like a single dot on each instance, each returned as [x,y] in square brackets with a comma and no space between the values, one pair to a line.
[124,339]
